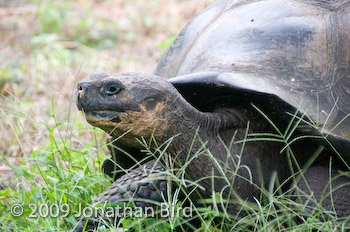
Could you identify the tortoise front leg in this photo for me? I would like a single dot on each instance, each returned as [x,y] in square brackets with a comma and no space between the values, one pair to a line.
[146,186]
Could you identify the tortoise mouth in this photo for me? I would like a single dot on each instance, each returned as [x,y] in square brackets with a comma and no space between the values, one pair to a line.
[102,115]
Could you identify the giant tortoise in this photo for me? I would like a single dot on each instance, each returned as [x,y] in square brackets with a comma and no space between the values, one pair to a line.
[248,90]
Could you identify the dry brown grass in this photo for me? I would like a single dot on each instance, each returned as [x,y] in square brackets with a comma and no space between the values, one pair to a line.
[31,75]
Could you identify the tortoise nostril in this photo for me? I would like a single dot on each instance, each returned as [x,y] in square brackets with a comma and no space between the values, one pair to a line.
[80,88]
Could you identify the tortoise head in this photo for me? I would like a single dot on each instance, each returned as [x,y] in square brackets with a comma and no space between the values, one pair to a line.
[128,104]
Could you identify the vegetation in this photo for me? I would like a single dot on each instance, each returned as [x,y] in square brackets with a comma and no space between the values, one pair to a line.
[50,157]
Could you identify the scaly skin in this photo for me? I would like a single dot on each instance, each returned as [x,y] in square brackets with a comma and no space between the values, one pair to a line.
[146,186]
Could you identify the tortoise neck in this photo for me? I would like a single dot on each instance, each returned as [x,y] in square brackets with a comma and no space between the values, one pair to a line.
[194,134]
[192,127]
[208,122]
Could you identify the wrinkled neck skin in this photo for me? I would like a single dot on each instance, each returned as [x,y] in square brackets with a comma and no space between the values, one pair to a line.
[190,124]
[217,130]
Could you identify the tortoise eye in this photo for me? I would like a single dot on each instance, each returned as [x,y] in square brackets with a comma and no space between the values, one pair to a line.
[112,89]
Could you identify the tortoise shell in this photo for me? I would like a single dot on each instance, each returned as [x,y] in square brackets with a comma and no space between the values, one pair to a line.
[283,55]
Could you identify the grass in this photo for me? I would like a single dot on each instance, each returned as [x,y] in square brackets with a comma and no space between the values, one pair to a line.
[56,174]
[48,153]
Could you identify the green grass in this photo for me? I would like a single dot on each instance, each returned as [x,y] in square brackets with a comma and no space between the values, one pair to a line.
[56,178]
[56,175]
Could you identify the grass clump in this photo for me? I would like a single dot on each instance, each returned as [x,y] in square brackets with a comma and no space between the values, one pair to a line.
[52,183]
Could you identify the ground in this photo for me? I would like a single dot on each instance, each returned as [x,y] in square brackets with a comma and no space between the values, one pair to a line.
[46,46]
